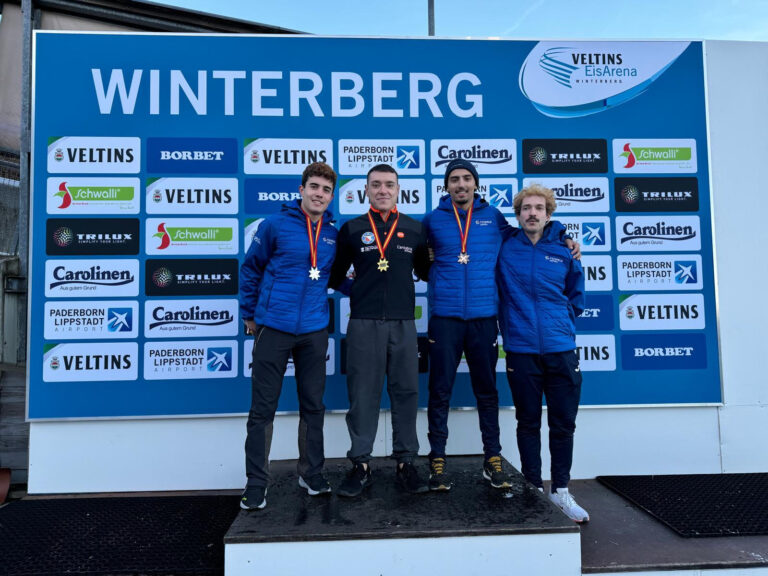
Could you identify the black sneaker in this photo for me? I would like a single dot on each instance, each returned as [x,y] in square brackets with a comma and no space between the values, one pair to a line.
[494,473]
[315,485]
[357,479]
[408,479]
[254,498]
[438,479]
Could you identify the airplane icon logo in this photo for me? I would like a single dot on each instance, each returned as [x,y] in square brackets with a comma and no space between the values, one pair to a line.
[219,359]
[500,196]
[120,319]
[593,233]
[685,272]
[408,157]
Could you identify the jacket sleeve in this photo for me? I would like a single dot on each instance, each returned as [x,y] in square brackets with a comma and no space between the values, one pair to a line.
[421,263]
[338,279]
[252,269]
[574,286]
[505,228]
[561,231]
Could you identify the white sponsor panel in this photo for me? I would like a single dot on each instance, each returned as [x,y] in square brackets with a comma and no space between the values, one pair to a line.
[191,236]
[191,318]
[250,230]
[662,312]
[84,362]
[597,352]
[577,195]
[285,155]
[290,370]
[91,319]
[489,156]
[657,233]
[598,273]
[654,156]
[412,198]
[498,192]
[191,359]
[659,272]
[94,155]
[75,196]
[91,278]
[592,232]
[192,196]
[357,157]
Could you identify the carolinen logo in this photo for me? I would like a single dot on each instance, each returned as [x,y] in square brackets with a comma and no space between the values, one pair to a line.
[537,156]
[408,157]
[593,233]
[660,230]
[162,277]
[63,236]
[219,359]
[685,272]
[630,194]
[120,319]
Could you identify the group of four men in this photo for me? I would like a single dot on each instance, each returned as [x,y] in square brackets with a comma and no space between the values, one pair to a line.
[470,255]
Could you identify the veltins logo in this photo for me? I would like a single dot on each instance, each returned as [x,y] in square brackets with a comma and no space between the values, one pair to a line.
[94,155]
[566,156]
[91,278]
[267,195]
[593,232]
[576,194]
[284,156]
[412,198]
[80,362]
[190,318]
[356,157]
[598,273]
[92,319]
[192,236]
[661,312]
[597,352]
[582,78]
[192,155]
[489,156]
[192,196]
[659,272]
[662,156]
[165,360]
[191,277]
[663,351]
[92,236]
[498,192]
[659,233]
[656,194]
[102,196]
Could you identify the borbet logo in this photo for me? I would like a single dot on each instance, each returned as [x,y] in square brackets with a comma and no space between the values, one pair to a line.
[191,154]
[278,196]
[662,351]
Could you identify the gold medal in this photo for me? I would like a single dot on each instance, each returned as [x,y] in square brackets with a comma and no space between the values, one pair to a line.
[463,233]
[383,263]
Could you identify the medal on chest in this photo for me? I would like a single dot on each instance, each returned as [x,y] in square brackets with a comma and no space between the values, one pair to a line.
[383,263]
[314,271]
[463,233]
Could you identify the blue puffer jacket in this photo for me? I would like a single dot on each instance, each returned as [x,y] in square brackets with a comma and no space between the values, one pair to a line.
[457,290]
[541,291]
[275,288]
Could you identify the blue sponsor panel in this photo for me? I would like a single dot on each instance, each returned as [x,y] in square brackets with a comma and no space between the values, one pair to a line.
[192,155]
[267,195]
[663,351]
[597,314]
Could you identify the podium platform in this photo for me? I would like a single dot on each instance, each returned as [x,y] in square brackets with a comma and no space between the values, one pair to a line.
[472,529]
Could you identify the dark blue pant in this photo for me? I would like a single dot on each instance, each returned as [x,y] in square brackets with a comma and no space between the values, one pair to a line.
[448,338]
[558,378]
[271,350]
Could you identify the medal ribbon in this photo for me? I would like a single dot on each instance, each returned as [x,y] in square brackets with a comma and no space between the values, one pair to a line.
[313,242]
[463,234]
[387,238]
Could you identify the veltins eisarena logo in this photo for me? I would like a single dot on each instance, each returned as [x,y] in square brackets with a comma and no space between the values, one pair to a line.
[630,194]
[537,156]
[120,319]
[63,236]
[408,158]
[162,277]
[685,272]
[593,233]
[219,359]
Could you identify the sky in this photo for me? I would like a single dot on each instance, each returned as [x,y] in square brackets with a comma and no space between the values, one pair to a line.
[531,19]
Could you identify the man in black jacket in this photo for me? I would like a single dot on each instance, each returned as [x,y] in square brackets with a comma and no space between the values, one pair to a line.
[385,247]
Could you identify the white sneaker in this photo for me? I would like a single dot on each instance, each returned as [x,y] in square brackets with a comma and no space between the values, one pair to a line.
[563,500]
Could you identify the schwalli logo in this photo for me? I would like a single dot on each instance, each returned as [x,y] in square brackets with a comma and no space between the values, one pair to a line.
[498,192]
[598,273]
[663,351]
[81,362]
[597,352]
[284,155]
[412,198]
[576,195]
[359,156]
[92,319]
[574,156]
[191,359]
[490,156]
[91,278]
[192,155]
[192,196]
[267,195]
[593,232]
[579,78]
[191,236]
[97,236]
[76,196]
[640,156]
[597,314]
[661,312]
[94,155]
[657,272]
[656,194]
[190,318]
[657,233]
[290,369]
[192,277]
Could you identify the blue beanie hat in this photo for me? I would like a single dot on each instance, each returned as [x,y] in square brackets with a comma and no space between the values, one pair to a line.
[461,163]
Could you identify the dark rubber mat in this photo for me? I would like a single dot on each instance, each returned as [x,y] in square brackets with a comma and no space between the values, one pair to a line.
[124,535]
[696,505]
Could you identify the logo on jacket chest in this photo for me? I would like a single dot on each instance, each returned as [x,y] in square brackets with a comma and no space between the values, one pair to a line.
[367,238]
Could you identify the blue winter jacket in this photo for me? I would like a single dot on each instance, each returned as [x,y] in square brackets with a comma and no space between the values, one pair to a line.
[541,291]
[275,287]
[458,290]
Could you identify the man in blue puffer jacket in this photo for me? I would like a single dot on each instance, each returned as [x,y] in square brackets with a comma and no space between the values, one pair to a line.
[284,304]
[541,292]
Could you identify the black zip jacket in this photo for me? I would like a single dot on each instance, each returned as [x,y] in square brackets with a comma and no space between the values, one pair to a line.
[379,295]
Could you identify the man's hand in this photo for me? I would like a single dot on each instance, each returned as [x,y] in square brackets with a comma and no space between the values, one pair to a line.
[574,247]
[250,326]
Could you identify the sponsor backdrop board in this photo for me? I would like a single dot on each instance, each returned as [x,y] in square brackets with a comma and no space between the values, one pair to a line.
[152,173]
